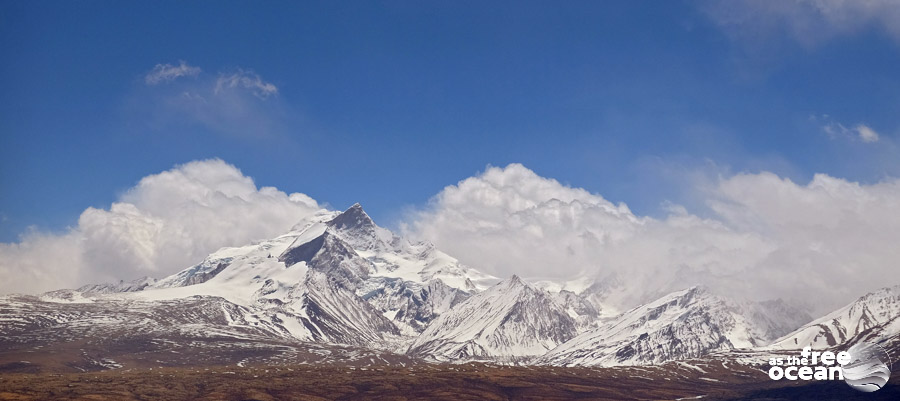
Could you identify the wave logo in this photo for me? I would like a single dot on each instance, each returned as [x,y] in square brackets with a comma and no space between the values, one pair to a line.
[868,369]
[864,367]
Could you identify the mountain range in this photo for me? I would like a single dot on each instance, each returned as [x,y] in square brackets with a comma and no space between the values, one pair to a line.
[337,288]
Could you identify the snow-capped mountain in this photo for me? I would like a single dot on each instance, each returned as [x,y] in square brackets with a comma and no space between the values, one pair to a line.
[684,324]
[510,320]
[394,257]
[337,279]
[873,317]
[304,283]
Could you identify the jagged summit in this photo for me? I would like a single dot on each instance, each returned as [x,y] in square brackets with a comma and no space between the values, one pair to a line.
[352,218]
[515,281]
[325,243]
[358,229]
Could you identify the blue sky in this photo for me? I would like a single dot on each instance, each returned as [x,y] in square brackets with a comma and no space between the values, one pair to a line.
[385,103]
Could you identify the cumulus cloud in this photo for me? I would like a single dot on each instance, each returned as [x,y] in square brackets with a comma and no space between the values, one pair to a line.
[834,237]
[512,221]
[827,241]
[809,22]
[835,129]
[824,242]
[165,223]
[168,72]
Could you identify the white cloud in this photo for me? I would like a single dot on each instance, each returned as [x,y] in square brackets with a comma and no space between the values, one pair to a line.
[809,22]
[510,220]
[835,129]
[168,72]
[866,134]
[834,238]
[827,241]
[246,80]
[40,262]
[165,223]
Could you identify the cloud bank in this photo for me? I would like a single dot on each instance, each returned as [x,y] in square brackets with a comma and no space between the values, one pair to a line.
[165,223]
[822,243]
[808,22]
[828,241]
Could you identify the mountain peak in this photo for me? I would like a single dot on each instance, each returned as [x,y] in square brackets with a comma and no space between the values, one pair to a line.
[880,293]
[354,217]
[514,282]
[697,290]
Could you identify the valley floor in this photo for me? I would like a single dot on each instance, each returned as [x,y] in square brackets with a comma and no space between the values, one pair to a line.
[446,382]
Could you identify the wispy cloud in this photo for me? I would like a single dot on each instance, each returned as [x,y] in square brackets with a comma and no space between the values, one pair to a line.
[246,80]
[168,72]
[808,22]
[866,134]
[237,102]
[835,129]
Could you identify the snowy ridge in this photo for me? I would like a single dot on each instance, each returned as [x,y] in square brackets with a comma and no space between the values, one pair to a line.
[875,315]
[122,286]
[512,319]
[684,324]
